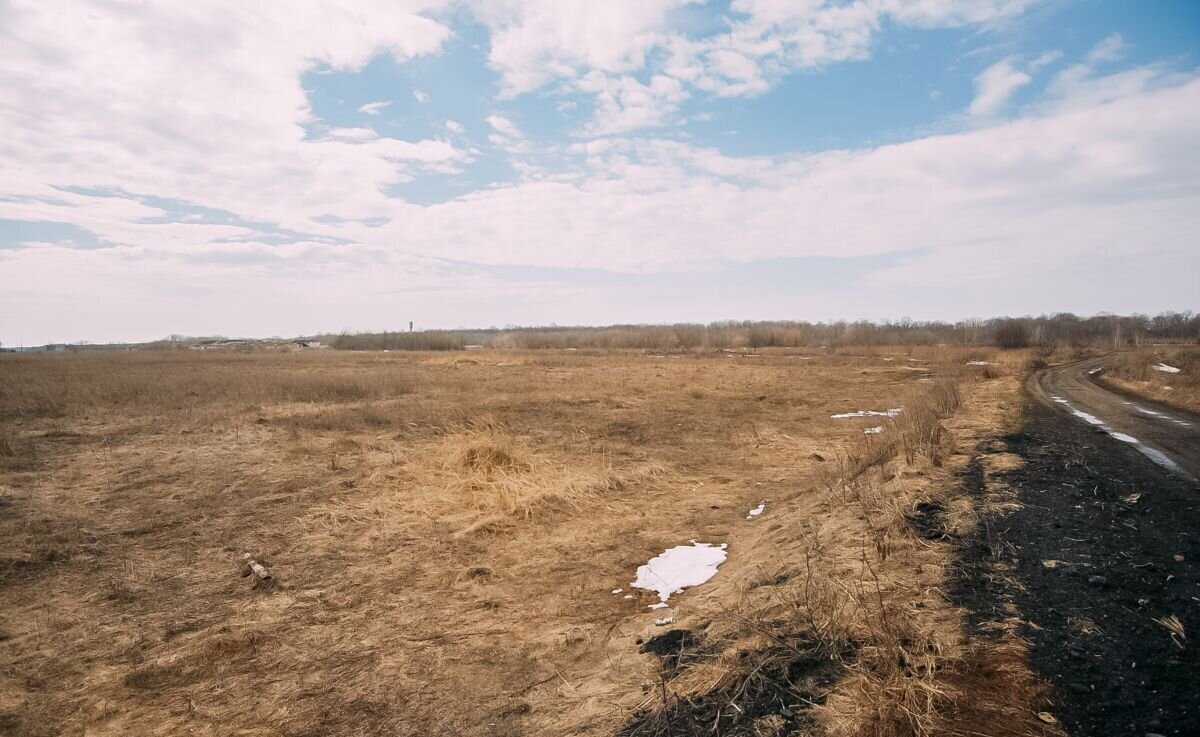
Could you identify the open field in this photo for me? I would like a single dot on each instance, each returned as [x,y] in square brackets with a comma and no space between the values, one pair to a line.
[446,531]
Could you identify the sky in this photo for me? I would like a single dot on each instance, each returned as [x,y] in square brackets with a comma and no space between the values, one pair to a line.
[291,168]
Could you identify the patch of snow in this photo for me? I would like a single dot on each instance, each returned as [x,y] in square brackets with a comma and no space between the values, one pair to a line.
[1160,458]
[1095,371]
[868,413]
[1166,369]
[873,430]
[978,363]
[889,359]
[1155,455]
[1093,419]
[757,510]
[627,596]
[664,621]
[680,567]
[659,605]
[617,591]
[1160,415]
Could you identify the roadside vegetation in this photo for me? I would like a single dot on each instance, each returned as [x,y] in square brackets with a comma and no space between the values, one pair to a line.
[1168,374]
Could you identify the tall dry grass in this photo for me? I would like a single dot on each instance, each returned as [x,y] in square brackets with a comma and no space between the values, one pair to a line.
[54,385]
[1133,370]
[854,624]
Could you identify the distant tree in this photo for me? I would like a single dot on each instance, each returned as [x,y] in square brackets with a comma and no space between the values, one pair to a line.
[1012,334]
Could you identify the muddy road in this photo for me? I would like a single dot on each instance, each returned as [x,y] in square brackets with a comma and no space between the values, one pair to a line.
[1167,436]
[1100,560]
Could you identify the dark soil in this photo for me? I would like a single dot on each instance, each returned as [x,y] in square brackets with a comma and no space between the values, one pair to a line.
[773,698]
[1121,538]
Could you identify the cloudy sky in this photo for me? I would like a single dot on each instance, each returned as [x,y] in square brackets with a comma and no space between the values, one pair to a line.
[291,167]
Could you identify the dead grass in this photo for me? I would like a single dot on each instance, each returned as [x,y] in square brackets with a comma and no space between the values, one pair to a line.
[1133,370]
[446,534]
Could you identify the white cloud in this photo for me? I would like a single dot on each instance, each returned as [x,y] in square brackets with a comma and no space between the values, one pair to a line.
[422,97]
[535,43]
[1024,185]
[217,115]
[1102,170]
[1110,49]
[374,108]
[995,85]
[503,126]
[624,104]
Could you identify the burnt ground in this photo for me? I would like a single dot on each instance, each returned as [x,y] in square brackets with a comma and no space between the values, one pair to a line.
[1105,544]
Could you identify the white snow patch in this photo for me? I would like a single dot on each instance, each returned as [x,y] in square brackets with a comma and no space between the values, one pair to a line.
[627,596]
[757,510]
[617,591]
[889,359]
[680,567]
[873,430]
[1160,415]
[659,605]
[1166,369]
[869,413]
[978,363]
[1160,458]
[1095,371]
[664,621]
[1155,455]
[1093,419]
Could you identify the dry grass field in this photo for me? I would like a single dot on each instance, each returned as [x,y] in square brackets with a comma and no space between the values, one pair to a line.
[1147,371]
[446,531]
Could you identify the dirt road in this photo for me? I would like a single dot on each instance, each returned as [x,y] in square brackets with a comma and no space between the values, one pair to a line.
[1100,556]
[1167,436]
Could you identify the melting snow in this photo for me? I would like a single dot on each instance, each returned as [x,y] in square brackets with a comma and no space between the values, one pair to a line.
[659,605]
[1160,415]
[978,363]
[680,567]
[757,510]
[1166,369]
[1090,418]
[1155,455]
[664,621]
[873,430]
[617,591]
[1096,370]
[869,413]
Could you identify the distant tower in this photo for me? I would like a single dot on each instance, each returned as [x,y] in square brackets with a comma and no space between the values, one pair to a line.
[410,326]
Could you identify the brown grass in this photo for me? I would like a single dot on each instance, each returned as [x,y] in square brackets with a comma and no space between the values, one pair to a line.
[445,531]
[1133,371]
